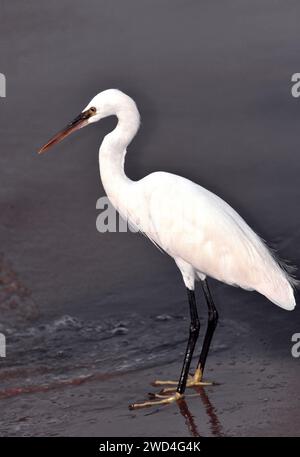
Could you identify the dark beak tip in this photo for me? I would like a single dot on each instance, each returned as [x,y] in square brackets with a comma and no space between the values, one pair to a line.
[76,124]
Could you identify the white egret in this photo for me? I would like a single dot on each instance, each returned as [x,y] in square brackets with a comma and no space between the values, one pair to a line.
[202,233]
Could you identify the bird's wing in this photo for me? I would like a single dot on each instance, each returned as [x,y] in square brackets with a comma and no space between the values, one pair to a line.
[192,223]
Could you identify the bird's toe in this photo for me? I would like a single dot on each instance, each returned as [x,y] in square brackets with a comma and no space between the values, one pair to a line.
[159,382]
[157,400]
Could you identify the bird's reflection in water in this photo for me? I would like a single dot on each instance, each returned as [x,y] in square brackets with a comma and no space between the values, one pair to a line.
[215,426]
[188,417]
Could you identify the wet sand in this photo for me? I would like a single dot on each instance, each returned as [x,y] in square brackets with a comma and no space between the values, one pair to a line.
[254,398]
[75,377]
[241,406]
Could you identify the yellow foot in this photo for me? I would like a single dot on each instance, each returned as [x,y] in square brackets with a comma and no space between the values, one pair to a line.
[162,400]
[193,381]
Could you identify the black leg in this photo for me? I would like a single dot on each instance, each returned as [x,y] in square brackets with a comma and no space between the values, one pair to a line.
[193,336]
[211,326]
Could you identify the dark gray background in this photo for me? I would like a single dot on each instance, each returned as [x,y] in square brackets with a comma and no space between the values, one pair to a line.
[212,80]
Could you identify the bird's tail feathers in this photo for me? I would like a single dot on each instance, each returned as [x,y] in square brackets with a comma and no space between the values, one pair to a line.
[279,279]
[279,288]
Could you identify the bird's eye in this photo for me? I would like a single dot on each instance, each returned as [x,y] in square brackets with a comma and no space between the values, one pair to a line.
[93,110]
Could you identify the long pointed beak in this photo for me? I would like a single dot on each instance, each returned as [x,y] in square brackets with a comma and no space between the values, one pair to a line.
[79,122]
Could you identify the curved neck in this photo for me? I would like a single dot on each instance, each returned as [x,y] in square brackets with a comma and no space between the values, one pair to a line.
[112,154]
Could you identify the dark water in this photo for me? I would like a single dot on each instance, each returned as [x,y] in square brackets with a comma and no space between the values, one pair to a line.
[75,377]
[216,107]
[66,348]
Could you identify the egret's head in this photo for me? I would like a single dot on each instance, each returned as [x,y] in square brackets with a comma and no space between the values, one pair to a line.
[107,103]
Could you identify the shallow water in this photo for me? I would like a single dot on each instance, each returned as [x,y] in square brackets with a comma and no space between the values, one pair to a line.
[70,348]
[76,377]
[75,374]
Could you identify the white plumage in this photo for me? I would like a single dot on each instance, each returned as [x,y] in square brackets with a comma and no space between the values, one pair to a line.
[203,234]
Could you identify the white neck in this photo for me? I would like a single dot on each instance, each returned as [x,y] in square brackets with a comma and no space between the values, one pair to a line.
[112,154]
